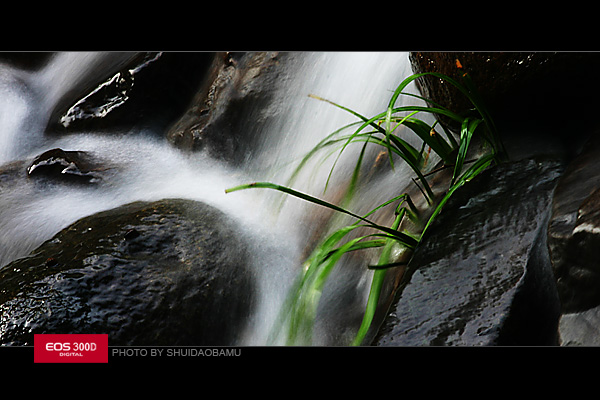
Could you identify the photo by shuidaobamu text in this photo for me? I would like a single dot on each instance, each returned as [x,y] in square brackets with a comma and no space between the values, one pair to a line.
[176,352]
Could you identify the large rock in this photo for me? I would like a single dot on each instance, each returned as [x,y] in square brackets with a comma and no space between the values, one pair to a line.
[520,89]
[171,272]
[574,234]
[481,275]
[495,74]
[574,244]
[230,105]
[66,166]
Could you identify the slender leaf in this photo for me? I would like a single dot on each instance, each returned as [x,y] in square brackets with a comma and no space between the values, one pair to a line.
[409,241]
[466,134]
[375,291]
[473,171]
[435,141]
[387,266]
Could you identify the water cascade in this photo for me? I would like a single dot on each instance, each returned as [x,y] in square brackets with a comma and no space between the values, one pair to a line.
[146,167]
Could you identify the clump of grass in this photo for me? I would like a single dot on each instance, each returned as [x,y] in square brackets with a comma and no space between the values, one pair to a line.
[298,313]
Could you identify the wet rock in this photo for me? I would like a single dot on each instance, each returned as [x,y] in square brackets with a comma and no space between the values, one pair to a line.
[67,166]
[573,231]
[227,108]
[517,81]
[580,328]
[170,272]
[494,74]
[144,90]
[111,94]
[60,180]
[482,274]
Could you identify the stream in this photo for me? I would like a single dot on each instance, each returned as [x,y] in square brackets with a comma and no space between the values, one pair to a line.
[146,167]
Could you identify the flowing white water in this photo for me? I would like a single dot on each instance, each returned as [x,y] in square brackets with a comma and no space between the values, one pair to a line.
[150,169]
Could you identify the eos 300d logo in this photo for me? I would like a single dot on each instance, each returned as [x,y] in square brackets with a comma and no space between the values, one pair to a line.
[70,348]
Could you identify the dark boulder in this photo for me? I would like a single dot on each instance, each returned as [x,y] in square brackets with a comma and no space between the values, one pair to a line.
[496,75]
[574,231]
[230,105]
[68,166]
[522,89]
[481,275]
[171,272]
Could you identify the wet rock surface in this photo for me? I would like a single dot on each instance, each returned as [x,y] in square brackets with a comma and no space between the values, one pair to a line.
[574,246]
[230,105]
[523,91]
[144,273]
[580,328]
[573,233]
[67,166]
[482,274]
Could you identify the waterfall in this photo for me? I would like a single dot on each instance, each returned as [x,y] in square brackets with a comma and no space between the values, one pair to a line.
[151,169]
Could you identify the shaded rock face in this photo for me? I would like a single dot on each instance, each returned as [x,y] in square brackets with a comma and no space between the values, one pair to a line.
[170,272]
[580,328]
[229,107]
[67,166]
[573,234]
[481,275]
[522,90]
[494,74]
[521,84]
[574,239]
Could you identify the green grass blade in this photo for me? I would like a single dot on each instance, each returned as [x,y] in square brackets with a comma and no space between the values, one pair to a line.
[473,171]
[355,175]
[408,240]
[466,134]
[387,266]
[367,122]
[375,290]
[449,135]
[362,117]
[369,244]
[431,110]
[302,303]
[435,141]
[372,122]
[470,91]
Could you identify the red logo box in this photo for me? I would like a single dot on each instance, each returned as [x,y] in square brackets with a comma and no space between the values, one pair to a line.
[70,348]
